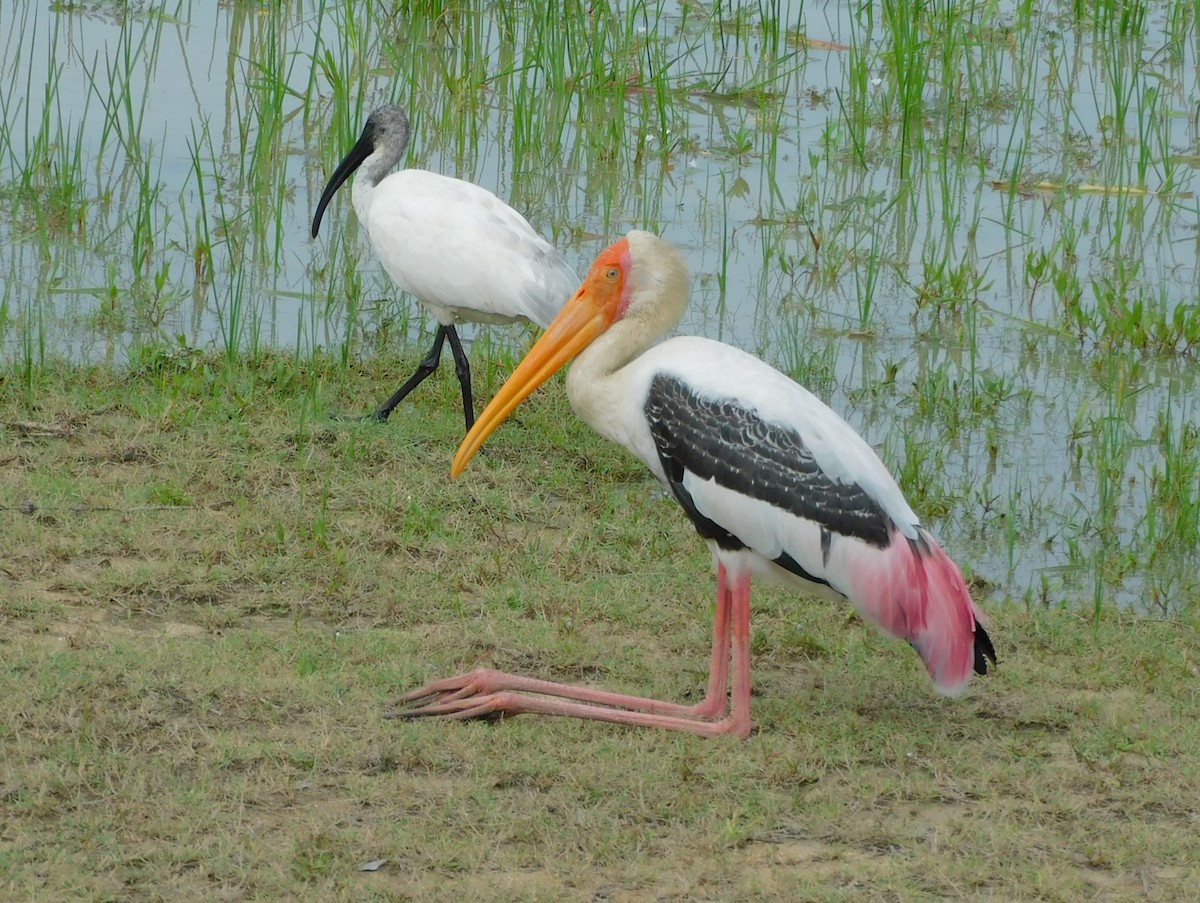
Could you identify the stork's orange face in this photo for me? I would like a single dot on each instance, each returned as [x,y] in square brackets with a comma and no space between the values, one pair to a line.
[601,300]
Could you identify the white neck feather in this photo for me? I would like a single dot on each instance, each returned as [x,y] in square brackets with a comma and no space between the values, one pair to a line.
[658,286]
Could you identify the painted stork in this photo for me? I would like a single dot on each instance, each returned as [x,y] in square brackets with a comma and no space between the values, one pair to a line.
[773,480]
[454,246]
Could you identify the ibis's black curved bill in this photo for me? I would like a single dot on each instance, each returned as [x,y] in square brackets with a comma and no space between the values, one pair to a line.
[363,148]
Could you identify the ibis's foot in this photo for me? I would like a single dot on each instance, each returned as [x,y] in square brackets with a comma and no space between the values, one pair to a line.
[377,416]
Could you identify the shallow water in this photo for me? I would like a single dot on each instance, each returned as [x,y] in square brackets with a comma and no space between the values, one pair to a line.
[902,287]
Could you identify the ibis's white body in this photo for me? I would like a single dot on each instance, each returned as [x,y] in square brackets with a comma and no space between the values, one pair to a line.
[460,250]
[454,246]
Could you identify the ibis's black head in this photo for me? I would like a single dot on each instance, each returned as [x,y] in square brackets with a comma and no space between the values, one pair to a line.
[385,138]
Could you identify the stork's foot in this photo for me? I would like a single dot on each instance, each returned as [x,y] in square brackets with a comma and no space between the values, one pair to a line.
[447,690]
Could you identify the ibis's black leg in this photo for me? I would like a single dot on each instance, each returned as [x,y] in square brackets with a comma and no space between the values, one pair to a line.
[424,369]
[463,368]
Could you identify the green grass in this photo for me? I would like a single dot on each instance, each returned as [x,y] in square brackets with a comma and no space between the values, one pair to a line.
[969,227]
[210,594]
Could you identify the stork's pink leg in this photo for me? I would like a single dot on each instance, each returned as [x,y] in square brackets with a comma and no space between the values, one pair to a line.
[441,696]
[716,700]
[739,718]
[493,693]
[436,698]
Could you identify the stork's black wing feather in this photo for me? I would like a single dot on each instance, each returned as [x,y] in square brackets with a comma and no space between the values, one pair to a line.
[723,441]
